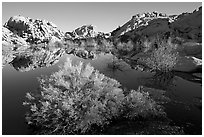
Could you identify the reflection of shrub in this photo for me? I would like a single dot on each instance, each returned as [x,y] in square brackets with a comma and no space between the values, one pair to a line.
[164,58]
[76,98]
[159,80]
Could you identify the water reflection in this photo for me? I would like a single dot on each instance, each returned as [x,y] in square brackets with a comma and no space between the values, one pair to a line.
[183,88]
[159,80]
[42,58]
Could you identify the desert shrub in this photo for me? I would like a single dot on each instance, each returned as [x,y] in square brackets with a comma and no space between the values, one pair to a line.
[147,45]
[125,48]
[163,58]
[73,99]
[105,45]
[77,97]
[139,104]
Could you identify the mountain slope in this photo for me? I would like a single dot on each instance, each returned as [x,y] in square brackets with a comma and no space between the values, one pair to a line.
[186,25]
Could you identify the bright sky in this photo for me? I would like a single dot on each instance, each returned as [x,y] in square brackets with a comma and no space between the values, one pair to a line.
[105,16]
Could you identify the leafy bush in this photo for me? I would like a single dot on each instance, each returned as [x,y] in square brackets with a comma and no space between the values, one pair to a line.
[163,58]
[105,45]
[73,99]
[76,98]
[139,104]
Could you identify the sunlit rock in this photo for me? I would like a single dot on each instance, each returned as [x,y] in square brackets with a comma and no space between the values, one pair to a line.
[86,31]
[10,37]
[33,31]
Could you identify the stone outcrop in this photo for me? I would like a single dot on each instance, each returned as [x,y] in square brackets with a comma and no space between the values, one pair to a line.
[33,31]
[10,38]
[85,31]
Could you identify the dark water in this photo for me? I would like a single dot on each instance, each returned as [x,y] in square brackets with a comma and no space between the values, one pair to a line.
[185,109]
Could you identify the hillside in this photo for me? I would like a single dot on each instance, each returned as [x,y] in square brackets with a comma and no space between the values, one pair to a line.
[185,25]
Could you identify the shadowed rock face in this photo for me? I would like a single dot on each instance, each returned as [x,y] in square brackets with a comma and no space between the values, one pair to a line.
[33,31]
[189,25]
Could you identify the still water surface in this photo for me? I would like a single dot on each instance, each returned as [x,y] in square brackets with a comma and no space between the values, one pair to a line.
[182,110]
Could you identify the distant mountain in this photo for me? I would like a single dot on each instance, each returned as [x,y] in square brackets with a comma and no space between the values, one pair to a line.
[187,25]
[85,31]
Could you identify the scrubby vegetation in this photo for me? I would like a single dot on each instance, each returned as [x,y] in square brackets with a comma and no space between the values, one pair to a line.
[125,48]
[163,58]
[78,97]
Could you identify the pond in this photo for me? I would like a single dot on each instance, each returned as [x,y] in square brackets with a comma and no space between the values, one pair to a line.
[184,109]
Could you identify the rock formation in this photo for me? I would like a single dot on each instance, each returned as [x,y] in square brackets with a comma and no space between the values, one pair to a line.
[185,25]
[33,31]
[85,31]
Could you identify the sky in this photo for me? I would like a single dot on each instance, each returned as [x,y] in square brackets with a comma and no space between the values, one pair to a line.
[106,16]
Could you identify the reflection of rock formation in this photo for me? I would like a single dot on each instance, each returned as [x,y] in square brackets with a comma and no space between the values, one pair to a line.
[84,54]
[188,64]
[189,76]
[41,58]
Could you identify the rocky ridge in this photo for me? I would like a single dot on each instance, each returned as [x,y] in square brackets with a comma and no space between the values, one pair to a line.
[185,25]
